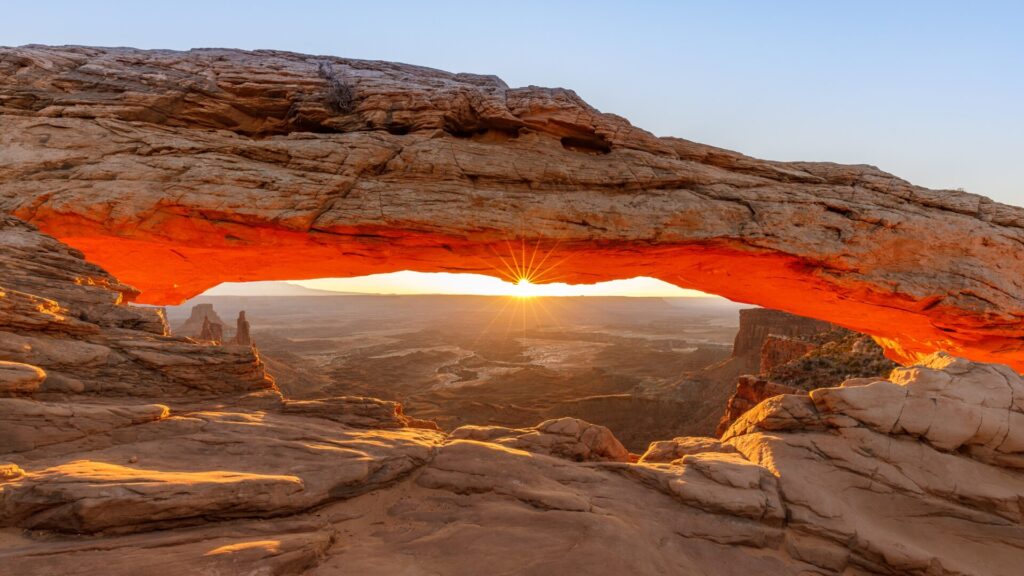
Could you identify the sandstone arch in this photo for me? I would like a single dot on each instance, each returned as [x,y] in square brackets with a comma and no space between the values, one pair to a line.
[177,171]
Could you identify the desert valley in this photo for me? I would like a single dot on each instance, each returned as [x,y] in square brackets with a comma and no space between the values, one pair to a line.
[646,368]
[851,404]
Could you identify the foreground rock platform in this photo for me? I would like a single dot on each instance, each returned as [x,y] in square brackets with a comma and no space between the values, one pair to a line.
[800,485]
[180,170]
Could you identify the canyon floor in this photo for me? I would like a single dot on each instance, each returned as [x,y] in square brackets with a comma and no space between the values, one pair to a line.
[490,360]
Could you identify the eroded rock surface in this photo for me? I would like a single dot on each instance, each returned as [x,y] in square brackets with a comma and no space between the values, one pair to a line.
[759,325]
[179,170]
[820,357]
[913,470]
[566,437]
[18,378]
[184,470]
[124,450]
[65,317]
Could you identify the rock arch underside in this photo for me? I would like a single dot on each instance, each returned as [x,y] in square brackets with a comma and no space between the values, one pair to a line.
[150,176]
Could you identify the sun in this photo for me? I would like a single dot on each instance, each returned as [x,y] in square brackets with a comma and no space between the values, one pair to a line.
[523,288]
[527,270]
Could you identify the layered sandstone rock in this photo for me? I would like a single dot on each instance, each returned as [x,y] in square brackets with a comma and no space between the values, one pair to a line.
[64,318]
[757,325]
[18,378]
[210,332]
[914,457]
[242,335]
[750,391]
[358,412]
[184,470]
[179,170]
[566,437]
[917,475]
[707,391]
[812,355]
[665,451]
[85,448]
[780,350]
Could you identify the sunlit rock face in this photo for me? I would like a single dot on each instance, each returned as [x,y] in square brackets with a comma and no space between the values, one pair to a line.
[180,170]
[757,325]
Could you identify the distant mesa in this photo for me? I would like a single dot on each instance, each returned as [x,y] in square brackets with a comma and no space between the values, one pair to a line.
[211,328]
[271,288]
[193,326]
[757,324]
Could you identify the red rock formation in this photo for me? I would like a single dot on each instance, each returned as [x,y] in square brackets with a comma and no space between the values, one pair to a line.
[796,355]
[778,350]
[193,325]
[758,324]
[242,336]
[211,332]
[839,356]
[177,171]
[750,391]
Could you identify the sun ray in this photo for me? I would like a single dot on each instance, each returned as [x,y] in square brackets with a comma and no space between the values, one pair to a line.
[512,254]
[533,256]
[554,318]
[512,273]
[505,304]
[551,250]
[522,250]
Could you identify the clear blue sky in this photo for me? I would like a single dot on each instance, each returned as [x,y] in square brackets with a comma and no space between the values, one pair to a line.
[930,90]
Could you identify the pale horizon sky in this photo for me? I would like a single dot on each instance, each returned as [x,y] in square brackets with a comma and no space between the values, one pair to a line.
[929,90]
[408,282]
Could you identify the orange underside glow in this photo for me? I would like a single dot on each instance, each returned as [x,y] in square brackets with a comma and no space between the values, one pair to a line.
[175,259]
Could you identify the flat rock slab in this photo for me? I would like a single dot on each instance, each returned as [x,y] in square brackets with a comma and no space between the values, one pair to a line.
[218,465]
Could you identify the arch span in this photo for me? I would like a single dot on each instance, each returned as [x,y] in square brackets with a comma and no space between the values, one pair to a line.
[177,171]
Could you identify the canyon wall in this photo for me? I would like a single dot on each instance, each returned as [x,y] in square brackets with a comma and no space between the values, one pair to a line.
[758,324]
[180,170]
[784,354]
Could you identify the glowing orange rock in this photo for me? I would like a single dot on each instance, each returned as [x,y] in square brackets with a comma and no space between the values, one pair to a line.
[237,166]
